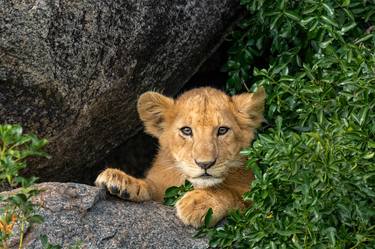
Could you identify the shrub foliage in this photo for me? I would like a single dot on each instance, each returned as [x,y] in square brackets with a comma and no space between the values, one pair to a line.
[314,168]
[17,209]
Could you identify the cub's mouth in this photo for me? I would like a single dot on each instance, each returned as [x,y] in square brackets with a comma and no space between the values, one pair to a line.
[206,175]
[205,180]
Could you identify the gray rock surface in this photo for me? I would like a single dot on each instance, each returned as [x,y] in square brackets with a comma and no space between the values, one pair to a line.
[71,71]
[81,213]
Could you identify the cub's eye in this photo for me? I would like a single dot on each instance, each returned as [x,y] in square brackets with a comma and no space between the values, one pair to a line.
[222,130]
[186,131]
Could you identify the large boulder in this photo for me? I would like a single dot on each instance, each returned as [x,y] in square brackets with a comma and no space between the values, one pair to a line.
[81,213]
[71,71]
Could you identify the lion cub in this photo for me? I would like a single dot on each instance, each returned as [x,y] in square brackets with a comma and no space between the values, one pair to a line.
[201,134]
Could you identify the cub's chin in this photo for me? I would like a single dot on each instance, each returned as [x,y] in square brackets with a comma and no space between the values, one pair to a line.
[205,182]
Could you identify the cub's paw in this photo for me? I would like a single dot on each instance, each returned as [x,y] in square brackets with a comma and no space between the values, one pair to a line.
[122,185]
[193,206]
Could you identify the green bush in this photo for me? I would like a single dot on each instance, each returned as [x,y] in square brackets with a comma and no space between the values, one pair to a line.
[17,209]
[315,167]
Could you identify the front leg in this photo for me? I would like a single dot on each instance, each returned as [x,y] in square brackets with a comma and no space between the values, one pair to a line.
[124,186]
[193,206]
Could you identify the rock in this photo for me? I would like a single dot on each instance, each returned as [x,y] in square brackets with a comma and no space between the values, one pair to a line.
[81,213]
[71,71]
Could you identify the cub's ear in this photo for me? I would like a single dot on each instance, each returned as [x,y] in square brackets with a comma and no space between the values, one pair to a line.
[250,107]
[152,108]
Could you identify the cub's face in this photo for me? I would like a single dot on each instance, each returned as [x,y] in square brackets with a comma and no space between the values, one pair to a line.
[203,130]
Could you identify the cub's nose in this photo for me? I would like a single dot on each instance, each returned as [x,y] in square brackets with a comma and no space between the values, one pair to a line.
[205,165]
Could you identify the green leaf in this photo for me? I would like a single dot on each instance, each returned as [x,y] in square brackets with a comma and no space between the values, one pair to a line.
[306,21]
[292,15]
[329,9]
[44,240]
[364,38]
[287,233]
[349,27]
[345,3]
[256,170]
[173,194]
[172,191]
[332,235]
[208,217]
[19,199]
[329,21]
[36,219]
[46,245]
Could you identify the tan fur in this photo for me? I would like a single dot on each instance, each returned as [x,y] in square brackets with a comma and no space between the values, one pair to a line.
[204,110]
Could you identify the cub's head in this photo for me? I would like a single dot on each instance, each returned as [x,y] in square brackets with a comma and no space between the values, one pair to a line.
[203,130]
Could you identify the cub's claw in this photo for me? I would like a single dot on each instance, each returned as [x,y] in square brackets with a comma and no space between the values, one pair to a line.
[114,190]
[122,185]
